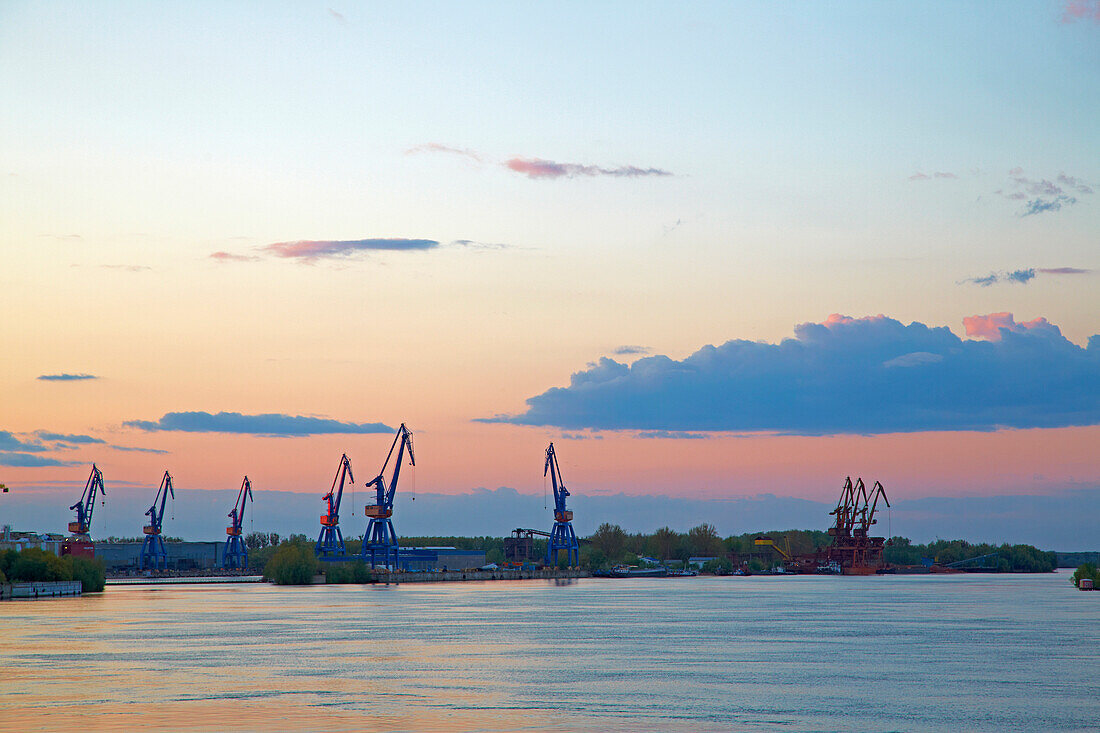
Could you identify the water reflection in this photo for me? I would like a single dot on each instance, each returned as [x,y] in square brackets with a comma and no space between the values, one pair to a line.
[693,654]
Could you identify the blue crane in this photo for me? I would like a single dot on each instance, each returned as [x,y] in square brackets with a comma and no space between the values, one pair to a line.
[153,552]
[236,554]
[331,542]
[83,524]
[380,539]
[562,536]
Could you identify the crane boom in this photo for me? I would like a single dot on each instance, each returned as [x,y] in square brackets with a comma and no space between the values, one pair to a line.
[381,539]
[84,508]
[331,540]
[153,550]
[236,552]
[562,536]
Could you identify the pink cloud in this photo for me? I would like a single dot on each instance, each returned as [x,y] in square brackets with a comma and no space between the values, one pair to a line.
[836,319]
[440,148]
[230,257]
[539,168]
[309,250]
[1081,10]
[989,326]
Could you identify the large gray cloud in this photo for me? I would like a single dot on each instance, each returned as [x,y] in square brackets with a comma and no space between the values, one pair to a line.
[29,460]
[273,424]
[862,376]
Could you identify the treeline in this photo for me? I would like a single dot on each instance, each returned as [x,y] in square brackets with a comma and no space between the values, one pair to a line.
[33,565]
[610,545]
[1009,558]
[1086,571]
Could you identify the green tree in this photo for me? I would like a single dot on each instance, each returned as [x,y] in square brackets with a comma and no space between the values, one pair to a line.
[610,539]
[89,571]
[703,541]
[35,565]
[666,541]
[1088,570]
[293,563]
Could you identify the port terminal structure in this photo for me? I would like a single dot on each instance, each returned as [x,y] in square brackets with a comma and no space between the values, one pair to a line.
[80,542]
[154,555]
[330,543]
[380,542]
[236,552]
[562,536]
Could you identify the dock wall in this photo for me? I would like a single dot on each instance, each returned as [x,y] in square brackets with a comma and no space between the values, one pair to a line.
[9,591]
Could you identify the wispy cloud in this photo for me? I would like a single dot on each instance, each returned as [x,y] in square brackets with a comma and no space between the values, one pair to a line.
[540,168]
[865,376]
[1076,10]
[268,424]
[439,148]
[630,349]
[68,438]
[66,377]
[918,176]
[1043,195]
[231,257]
[670,435]
[1064,271]
[127,268]
[472,244]
[311,251]
[339,17]
[134,449]
[1021,277]
[308,250]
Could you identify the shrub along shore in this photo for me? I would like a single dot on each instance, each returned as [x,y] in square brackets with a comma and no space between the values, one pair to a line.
[37,566]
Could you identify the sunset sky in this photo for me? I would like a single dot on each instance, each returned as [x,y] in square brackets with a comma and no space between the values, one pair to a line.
[711,250]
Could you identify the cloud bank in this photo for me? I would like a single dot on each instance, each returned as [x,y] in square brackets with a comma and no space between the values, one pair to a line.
[844,376]
[270,424]
[66,377]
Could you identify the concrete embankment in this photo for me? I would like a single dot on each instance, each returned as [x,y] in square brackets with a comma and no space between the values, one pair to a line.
[9,591]
[461,575]
[186,580]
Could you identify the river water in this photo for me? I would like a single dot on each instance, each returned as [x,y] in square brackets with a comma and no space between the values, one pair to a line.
[887,653]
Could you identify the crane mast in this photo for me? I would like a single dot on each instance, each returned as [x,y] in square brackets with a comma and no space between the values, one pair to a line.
[84,508]
[154,554]
[380,541]
[330,543]
[562,536]
[236,553]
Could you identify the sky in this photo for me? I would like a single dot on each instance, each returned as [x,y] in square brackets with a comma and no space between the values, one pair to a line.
[714,251]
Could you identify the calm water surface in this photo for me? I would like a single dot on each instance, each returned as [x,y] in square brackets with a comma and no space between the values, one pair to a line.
[976,653]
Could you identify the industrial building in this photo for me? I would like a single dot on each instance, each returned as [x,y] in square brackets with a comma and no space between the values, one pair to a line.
[439,558]
[122,556]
